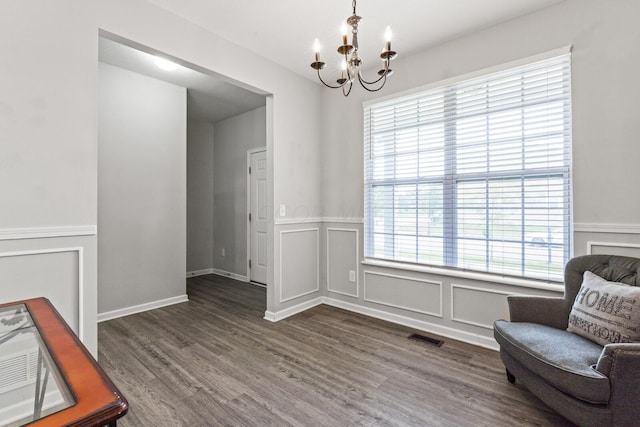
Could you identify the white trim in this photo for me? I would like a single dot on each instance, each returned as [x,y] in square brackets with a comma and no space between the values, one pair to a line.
[304,230]
[468,337]
[590,245]
[127,311]
[475,288]
[413,279]
[288,312]
[229,275]
[80,252]
[46,232]
[249,153]
[343,220]
[585,227]
[309,220]
[217,272]
[262,285]
[484,277]
[318,220]
[477,73]
[357,282]
[197,273]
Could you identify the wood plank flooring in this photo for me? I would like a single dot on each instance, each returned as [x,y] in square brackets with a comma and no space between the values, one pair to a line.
[214,361]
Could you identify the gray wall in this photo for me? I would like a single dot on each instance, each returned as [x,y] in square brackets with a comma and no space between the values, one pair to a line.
[233,137]
[200,218]
[605,62]
[605,87]
[48,152]
[141,190]
[48,122]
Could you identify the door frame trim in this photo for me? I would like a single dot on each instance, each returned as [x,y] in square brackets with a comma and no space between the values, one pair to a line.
[249,153]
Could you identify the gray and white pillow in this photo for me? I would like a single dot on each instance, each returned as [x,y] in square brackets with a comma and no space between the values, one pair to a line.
[606,312]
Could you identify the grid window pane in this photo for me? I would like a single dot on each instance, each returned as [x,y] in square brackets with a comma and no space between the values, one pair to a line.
[474,175]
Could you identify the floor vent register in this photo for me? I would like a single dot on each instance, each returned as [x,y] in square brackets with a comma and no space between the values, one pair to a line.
[426,339]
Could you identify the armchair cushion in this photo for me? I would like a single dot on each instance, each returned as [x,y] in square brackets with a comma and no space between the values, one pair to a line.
[606,312]
[563,359]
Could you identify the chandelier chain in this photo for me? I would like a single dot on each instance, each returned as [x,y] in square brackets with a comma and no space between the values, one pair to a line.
[353,4]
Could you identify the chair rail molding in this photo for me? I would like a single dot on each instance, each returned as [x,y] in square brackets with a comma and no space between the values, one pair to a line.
[318,220]
[47,232]
[588,227]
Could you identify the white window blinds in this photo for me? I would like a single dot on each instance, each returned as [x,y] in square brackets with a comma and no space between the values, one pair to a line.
[475,174]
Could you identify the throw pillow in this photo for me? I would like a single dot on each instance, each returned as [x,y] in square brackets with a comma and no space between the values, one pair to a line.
[606,312]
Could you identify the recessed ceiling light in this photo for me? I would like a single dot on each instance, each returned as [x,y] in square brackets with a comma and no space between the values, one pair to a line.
[165,64]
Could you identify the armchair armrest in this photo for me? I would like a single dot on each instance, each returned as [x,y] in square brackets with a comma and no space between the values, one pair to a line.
[548,311]
[615,354]
[621,363]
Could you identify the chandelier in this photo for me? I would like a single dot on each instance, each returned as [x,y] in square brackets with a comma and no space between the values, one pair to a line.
[351,62]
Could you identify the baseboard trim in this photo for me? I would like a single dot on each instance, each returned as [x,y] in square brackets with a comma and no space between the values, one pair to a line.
[196,273]
[109,315]
[455,334]
[229,275]
[288,312]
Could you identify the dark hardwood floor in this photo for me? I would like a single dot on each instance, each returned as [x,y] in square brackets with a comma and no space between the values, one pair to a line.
[215,361]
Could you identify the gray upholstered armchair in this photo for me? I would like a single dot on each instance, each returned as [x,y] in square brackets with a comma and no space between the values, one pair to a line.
[586,382]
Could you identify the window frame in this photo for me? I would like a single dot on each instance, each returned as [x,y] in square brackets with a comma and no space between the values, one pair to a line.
[451,180]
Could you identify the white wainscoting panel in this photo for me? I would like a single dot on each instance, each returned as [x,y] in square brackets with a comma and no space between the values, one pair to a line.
[342,257]
[612,248]
[407,293]
[478,306]
[299,263]
[54,273]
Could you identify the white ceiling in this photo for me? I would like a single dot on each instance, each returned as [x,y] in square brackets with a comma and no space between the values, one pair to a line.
[284,30]
[208,98]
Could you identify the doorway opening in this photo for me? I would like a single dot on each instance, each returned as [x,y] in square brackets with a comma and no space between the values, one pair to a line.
[221,122]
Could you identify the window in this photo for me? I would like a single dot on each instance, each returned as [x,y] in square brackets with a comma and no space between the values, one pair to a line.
[474,174]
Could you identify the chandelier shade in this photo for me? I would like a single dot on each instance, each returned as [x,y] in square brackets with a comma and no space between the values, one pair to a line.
[351,62]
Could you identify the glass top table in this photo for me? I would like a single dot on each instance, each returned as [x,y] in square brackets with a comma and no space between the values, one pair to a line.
[47,376]
[30,385]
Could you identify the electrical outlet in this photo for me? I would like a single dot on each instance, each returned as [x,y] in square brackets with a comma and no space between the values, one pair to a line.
[352,276]
[223,252]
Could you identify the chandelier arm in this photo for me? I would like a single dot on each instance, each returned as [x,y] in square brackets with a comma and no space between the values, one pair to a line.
[364,83]
[348,91]
[328,85]
[384,76]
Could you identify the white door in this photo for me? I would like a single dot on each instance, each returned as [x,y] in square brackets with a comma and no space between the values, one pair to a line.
[258,217]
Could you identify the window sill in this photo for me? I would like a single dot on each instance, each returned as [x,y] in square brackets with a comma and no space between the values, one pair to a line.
[485,277]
